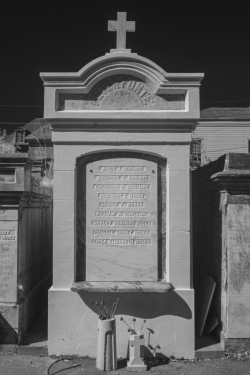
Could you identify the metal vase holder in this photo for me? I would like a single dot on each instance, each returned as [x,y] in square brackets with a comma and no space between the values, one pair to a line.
[106,350]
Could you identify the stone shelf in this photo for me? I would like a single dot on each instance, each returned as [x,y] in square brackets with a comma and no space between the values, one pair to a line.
[122,287]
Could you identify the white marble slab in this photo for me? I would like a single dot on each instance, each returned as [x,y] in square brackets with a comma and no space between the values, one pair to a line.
[121,220]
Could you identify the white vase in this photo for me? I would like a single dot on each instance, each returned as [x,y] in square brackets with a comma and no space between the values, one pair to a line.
[106,349]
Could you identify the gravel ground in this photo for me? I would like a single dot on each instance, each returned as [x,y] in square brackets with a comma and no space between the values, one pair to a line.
[14,364]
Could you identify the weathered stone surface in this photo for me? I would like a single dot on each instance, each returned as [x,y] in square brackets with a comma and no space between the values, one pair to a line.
[238,271]
[122,287]
[121,92]
[121,220]
[15,172]
[8,256]
[25,248]
[8,214]
[221,221]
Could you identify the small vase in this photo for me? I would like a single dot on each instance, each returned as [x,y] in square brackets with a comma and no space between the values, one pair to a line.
[136,353]
[106,349]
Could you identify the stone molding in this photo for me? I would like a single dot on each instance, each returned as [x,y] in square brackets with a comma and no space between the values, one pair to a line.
[140,125]
[230,173]
[98,69]
[157,89]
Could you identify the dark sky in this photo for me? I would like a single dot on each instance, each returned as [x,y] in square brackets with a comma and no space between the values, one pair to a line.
[212,37]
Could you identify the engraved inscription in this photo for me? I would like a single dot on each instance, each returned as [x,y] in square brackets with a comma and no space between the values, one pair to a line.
[121,178]
[104,232]
[121,196]
[122,169]
[122,216]
[123,222]
[122,92]
[122,204]
[121,213]
[7,235]
[121,241]
[121,187]
[137,87]
[8,258]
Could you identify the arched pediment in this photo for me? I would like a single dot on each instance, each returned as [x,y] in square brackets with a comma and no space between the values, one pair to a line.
[119,82]
[108,65]
[120,92]
[119,63]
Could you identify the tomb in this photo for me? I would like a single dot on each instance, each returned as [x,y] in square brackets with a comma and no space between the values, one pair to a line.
[221,218]
[121,129]
[25,248]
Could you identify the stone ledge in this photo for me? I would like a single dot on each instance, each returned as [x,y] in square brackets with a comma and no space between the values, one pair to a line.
[122,287]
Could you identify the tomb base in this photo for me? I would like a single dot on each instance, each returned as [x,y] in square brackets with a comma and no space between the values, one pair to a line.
[169,330]
[136,368]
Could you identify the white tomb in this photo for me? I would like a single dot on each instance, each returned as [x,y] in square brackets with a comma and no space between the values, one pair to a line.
[121,131]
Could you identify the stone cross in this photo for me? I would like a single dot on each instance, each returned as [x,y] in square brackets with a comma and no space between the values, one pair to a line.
[121,26]
[136,353]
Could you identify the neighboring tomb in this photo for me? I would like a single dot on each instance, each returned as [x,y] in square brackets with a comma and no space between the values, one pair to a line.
[121,129]
[25,248]
[221,218]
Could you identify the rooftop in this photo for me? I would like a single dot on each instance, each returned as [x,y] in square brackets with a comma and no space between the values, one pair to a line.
[225,113]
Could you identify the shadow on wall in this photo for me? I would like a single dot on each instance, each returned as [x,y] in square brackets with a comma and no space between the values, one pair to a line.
[8,334]
[141,305]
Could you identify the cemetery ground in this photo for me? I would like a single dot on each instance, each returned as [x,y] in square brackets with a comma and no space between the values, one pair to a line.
[15,364]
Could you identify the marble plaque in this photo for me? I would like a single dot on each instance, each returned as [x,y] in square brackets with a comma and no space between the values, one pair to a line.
[121,220]
[238,271]
[8,256]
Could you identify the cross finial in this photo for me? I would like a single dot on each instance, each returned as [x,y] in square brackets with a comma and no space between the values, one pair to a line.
[121,26]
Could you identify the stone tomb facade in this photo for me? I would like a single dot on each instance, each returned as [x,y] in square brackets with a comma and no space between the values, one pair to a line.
[121,129]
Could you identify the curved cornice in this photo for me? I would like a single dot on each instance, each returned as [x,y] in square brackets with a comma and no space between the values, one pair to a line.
[120,63]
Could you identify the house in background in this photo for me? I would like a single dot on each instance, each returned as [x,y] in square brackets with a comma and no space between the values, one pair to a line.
[34,138]
[219,131]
